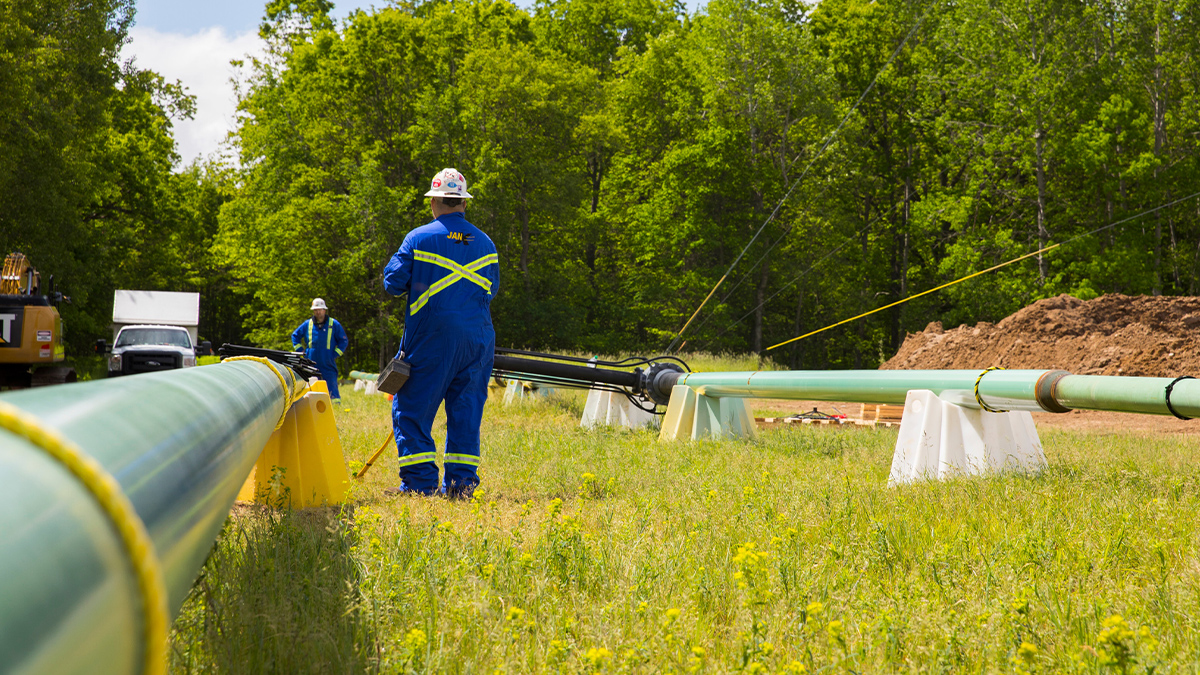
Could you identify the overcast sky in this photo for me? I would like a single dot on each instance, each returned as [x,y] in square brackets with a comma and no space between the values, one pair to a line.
[193,41]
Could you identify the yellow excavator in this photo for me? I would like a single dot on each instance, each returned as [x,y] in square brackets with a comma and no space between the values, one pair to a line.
[31,329]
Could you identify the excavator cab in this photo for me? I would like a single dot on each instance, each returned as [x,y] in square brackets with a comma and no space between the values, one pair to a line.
[31,328]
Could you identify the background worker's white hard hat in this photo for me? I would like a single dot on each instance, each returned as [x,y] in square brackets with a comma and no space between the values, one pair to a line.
[448,183]
[319,304]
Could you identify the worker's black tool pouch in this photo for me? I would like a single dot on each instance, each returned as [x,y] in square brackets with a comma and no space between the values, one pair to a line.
[394,376]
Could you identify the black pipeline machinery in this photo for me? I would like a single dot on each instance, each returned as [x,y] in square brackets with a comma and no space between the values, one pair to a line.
[647,386]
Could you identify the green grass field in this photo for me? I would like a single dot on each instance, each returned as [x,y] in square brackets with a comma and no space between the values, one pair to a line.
[608,551]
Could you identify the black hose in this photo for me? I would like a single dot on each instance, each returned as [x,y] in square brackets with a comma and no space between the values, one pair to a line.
[564,371]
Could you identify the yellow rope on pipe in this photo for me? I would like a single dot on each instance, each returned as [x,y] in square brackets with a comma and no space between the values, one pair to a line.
[132,531]
[290,394]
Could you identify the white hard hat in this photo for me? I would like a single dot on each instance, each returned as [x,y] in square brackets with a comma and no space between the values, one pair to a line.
[319,304]
[448,183]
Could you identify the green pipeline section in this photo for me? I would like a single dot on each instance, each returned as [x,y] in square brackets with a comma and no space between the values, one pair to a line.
[1029,390]
[360,375]
[179,443]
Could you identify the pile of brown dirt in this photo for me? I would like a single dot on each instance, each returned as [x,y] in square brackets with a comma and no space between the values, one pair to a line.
[1111,335]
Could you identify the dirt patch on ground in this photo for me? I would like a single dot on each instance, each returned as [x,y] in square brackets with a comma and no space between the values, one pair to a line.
[1111,335]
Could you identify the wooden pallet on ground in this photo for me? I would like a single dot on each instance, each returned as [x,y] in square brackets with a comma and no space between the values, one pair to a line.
[882,413]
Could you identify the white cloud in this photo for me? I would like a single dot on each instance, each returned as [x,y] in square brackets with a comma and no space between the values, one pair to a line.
[200,61]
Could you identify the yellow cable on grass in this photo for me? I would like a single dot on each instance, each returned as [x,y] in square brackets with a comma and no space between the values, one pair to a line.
[386,442]
[107,493]
[290,396]
[914,297]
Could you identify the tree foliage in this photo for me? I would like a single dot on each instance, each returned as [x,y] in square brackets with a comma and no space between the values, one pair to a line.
[623,154]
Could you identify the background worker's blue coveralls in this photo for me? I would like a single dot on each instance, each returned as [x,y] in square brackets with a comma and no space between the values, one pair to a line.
[450,272]
[323,343]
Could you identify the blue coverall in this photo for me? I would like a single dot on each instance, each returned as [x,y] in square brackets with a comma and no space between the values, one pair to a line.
[450,272]
[323,343]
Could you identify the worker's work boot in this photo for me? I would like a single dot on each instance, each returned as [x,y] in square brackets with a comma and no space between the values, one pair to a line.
[455,490]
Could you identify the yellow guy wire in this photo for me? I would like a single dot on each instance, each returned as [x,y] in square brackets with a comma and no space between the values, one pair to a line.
[996,267]
[706,299]
[914,297]
[132,531]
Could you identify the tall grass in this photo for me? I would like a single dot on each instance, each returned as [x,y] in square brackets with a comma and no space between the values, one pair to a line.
[606,551]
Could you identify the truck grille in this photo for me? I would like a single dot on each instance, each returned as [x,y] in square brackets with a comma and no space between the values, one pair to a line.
[149,362]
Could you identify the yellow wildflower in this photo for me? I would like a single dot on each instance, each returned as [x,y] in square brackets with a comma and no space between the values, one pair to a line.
[597,656]
[415,640]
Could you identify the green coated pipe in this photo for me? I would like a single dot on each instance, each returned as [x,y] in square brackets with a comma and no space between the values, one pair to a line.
[180,443]
[1031,390]
[360,375]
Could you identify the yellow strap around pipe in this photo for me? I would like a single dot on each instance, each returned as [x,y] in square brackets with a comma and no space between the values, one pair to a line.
[978,398]
[132,531]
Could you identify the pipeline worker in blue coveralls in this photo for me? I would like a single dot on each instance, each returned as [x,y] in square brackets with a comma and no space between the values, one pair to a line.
[450,272]
[324,340]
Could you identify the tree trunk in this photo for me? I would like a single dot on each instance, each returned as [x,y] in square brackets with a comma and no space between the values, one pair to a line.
[524,214]
[385,341]
[1043,234]
[864,243]
[1158,92]
[798,345]
[759,301]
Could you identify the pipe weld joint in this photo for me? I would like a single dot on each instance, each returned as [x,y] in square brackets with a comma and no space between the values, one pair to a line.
[1170,387]
[1046,391]
[978,398]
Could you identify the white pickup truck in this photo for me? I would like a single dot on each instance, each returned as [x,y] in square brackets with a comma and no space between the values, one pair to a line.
[149,348]
[153,330]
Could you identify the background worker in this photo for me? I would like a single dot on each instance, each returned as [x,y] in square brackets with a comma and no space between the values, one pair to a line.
[324,340]
[450,272]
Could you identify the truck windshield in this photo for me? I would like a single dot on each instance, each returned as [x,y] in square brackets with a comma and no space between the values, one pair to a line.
[154,336]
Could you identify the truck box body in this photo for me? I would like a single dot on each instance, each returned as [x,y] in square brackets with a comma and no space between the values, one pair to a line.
[156,307]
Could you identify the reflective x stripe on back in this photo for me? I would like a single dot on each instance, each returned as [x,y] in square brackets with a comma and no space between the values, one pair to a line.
[457,272]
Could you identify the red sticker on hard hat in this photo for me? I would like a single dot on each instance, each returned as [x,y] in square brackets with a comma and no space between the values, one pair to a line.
[437,183]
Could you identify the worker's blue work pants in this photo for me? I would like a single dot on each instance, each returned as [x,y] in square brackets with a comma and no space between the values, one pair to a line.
[451,364]
[330,375]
